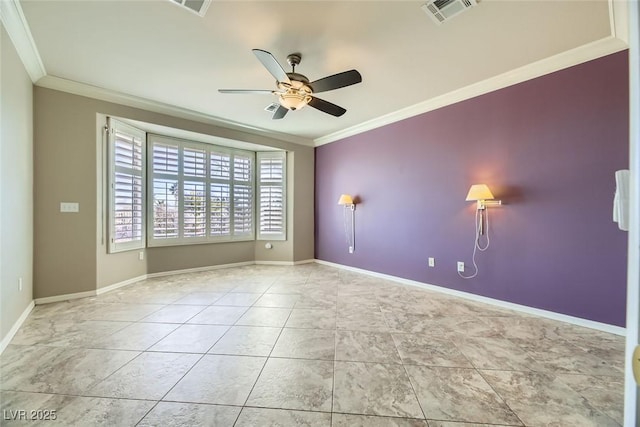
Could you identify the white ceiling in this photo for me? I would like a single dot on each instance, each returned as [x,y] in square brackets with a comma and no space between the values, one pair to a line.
[157,51]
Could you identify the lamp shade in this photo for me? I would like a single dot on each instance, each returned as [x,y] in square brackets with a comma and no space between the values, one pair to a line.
[345,199]
[479,192]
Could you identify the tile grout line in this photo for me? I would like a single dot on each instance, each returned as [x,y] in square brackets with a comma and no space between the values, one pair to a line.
[264,365]
[499,395]
[335,351]
[190,369]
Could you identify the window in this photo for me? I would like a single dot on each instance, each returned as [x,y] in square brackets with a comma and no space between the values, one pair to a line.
[201,193]
[126,187]
[271,195]
[166,191]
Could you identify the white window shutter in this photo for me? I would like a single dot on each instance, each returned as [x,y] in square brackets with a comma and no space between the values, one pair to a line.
[272,195]
[243,195]
[220,193]
[164,198]
[127,187]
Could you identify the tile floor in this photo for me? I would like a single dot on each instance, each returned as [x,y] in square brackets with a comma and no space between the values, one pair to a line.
[304,346]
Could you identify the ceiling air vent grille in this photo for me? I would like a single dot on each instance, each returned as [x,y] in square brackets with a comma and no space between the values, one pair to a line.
[443,10]
[196,6]
[272,107]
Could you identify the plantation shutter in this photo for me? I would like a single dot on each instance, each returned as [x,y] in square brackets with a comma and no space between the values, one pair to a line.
[165,196]
[194,190]
[126,187]
[220,194]
[242,195]
[272,195]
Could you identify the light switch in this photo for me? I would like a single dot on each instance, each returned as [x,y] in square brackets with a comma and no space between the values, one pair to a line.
[69,207]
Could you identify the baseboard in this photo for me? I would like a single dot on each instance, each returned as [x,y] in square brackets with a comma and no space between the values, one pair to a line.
[306,261]
[65,297]
[617,330]
[112,287]
[14,329]
[115,286]
[198,269]
[274,263]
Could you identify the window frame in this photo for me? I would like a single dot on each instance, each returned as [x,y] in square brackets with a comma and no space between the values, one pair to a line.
[113,127]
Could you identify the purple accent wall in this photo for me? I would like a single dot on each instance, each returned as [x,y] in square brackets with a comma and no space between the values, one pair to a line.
[547,147]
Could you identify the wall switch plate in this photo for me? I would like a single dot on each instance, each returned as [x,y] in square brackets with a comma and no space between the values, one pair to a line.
[432,262]
[460,266]
[141,255]
[69,207]
[20,284]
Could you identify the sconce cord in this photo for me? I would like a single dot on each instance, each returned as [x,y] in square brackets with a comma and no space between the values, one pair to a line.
[479,227]
[476,243]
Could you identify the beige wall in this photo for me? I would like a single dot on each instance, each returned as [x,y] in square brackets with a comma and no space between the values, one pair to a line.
[194,256]
[16,186]
[304,211]
[65,171]
[70,250]
[300,212]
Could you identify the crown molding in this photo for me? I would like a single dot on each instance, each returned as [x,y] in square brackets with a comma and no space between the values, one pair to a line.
[579,55]
[95,92]
[17,27]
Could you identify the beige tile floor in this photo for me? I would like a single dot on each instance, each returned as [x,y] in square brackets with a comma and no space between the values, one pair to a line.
[304,346]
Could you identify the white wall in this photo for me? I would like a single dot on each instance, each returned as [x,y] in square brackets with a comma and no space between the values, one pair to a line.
[16,186]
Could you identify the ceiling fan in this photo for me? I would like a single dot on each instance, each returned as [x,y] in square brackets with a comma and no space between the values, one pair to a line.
[294,90]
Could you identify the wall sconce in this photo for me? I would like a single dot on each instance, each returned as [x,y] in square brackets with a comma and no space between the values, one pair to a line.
[483,197]
[481,194]
[349,225]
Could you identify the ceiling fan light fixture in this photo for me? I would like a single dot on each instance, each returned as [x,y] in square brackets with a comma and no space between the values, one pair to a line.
[296,95]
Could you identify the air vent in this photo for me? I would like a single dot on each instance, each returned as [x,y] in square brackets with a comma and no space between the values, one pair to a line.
[196,6]
[272,107]
[443,10]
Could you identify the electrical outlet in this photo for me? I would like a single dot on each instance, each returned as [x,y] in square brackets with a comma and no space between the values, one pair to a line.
[460,266]
[350,249]
[432,262]
[20,284]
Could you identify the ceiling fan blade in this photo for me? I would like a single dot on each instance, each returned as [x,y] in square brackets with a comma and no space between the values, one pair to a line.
[280,113]
[336,81]
[245,91]
[272,65]
[327,107]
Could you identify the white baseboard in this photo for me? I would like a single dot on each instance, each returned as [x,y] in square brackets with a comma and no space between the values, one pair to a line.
[14,329]
[115,286]
[617,330]
[274,263]
[65,297]
[305,261]
[198,269]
